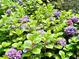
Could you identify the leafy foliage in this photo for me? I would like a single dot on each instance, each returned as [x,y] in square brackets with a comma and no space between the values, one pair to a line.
[37,35]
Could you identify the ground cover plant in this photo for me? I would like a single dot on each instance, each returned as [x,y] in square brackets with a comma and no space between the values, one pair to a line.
[30,29]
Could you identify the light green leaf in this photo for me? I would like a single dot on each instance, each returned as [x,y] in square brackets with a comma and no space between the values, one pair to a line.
[49,54]
[27,44]
[57,57]
[5,44]
[36,51]
[62,54]
[19,31]
[15,44]
[49,46]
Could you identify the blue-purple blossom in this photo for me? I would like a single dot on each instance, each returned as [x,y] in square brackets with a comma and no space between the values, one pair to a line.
[8,12]
[74,19]
[57,13]
[19,51]
[62,42]
[70,30]
[24,19]
[13,54]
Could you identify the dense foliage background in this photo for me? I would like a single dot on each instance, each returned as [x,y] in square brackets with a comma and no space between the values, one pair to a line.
[35,29]
[65,4]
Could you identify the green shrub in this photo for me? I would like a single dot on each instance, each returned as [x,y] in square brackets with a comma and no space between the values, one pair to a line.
[38,31]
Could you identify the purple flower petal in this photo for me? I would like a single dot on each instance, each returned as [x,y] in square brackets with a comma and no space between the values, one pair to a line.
[8,12]
[62,42]
[74,19]
[70,30]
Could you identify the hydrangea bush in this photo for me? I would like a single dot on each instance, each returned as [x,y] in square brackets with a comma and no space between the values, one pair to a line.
[30,29]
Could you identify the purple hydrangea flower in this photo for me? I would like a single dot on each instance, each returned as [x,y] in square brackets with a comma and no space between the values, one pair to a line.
[62,42]
[69,22]
[13,54]
[19,51]
[18,55]
[24,19]
[70,30]
[57,13]
[8,12]
[74,19]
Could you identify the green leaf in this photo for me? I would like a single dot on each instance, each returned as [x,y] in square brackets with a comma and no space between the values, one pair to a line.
[62,54]
[19,31]
[69,54]
[49,54]
[57,57]
[50,46]
[73,40]
[69,47]
[37,40]
[30,36]
[26,54]
[15,45]
[36,51]
[27,44]
[0,46]
[77,46]
[5,44]
[58,46]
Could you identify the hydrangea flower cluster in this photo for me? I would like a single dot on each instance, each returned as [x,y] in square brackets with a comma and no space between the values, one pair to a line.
[57,13]
[13,54]
[62,42]
[69,23]
[70,30]
[8,12]
[24,19]
[74,19]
